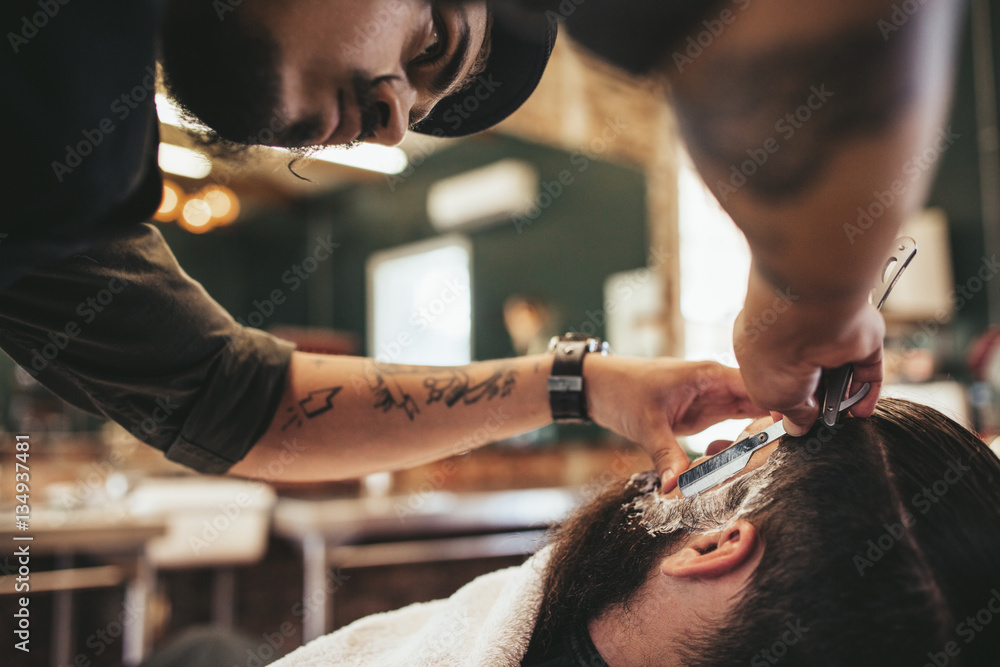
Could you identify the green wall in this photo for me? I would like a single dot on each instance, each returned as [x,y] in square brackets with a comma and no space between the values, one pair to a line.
[595,227]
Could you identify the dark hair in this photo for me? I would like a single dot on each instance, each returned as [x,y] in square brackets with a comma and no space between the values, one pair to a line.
[881,547]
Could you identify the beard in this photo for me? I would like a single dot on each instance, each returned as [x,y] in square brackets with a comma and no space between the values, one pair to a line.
[222,73]
[604,553]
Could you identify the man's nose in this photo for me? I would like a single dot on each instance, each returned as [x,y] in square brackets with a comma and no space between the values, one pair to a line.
[394,99]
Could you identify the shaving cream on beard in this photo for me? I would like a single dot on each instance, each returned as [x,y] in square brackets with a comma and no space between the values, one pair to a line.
[709,510]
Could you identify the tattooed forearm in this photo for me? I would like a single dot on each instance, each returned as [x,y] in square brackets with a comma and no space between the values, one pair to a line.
[457,386]
[313,405]
[389,394]
[447,385]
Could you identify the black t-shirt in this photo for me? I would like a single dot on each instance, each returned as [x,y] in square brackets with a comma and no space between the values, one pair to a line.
[121,331]
[80,130]
[92,303]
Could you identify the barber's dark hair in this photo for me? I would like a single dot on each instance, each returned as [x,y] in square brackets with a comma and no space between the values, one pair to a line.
[881,547]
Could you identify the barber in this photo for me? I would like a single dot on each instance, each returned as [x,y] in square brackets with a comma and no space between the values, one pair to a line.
[95,307]
[240,65]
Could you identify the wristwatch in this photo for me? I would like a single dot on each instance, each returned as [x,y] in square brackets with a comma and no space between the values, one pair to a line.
[566,390]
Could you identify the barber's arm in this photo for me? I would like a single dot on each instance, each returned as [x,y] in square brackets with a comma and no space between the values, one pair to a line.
[121,331]
[342,417]
[818,126]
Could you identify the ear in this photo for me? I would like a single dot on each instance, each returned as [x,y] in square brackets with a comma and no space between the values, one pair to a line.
[710,555]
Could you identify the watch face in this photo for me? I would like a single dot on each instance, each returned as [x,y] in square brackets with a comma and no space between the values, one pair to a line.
[594,344]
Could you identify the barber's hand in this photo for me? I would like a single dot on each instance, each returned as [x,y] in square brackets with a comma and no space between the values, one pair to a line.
[783,343]
[651,401]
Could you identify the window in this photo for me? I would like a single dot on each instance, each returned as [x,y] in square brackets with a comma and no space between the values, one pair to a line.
[715,266]
[420,303]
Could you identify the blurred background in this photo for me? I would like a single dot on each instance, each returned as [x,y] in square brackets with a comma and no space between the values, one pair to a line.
[579,213]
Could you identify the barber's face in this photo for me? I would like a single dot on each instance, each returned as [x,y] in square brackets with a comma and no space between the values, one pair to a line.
[757,459]
[350,70]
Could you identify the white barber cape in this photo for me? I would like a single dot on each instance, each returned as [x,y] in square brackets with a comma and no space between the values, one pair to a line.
[486,623]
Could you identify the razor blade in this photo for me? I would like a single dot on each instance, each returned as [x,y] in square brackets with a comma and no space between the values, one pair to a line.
[735,458]
[726,463]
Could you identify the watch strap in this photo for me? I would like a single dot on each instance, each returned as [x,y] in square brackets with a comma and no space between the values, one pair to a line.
[566,390]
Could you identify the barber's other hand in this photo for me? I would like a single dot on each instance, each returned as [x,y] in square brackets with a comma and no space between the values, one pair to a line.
[783,343]
[652,401]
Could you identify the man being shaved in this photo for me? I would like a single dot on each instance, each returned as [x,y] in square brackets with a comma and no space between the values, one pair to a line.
[826,555]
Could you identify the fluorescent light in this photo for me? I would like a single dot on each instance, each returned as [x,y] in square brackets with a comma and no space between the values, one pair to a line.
[492,193]
[373,157]
[383,159]
[184,161]
[170,114]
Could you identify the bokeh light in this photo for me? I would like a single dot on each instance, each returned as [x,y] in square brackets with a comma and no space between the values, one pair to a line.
[196,217]
[172,202]
[223,202]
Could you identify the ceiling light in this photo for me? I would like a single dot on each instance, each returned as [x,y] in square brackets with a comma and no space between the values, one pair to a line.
[373,157]
[493,193]
[184,161]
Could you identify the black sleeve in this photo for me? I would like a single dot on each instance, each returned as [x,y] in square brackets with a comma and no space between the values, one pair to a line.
[123,332]
[80,127]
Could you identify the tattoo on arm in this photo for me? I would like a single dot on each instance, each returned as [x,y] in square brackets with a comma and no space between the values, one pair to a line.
[457,386]
[313,405]
[389,394]
[795,106]
[446,385]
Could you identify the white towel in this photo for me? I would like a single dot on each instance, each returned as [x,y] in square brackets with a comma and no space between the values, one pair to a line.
[486,623]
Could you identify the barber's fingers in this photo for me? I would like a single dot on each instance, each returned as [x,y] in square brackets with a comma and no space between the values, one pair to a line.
[868,370]
[669,459]
[798,420]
